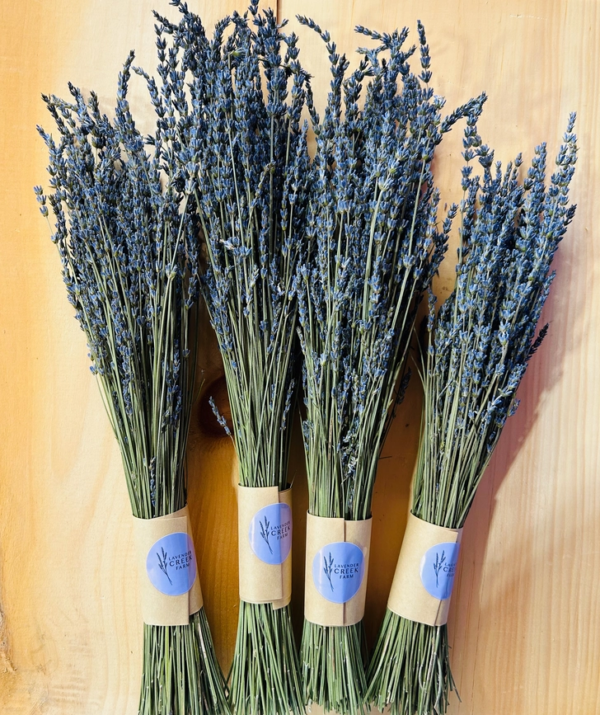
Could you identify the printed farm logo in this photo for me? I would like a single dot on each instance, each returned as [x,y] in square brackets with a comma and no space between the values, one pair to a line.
[274,532]
[328,568]
[175,563]
[338,570]
[270,533]
[264,532]
[439,562]
[341,571]
[163,565]
[438,568]
[440,565]
[171,564]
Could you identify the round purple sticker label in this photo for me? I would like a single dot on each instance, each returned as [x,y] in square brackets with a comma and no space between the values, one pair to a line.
[438,567]
[171,564]
[270,533]
[338,570]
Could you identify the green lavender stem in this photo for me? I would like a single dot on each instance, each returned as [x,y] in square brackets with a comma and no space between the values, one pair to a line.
[181,675]
[333,666]
[265,673]
[410,669]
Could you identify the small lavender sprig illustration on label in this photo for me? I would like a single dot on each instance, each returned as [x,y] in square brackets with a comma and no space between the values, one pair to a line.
[162,564]
[437,566]
[264,532]
[328,568]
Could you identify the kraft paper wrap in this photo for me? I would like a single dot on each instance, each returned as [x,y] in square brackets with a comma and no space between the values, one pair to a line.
[321,531]
[158,609]
[408,597]
[261,582]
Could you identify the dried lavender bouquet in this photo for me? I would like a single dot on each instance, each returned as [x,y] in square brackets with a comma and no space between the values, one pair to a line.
[128,244]
[479,346]
[245,138]
[373,247]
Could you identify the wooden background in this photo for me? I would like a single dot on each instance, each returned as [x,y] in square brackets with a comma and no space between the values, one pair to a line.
[525,620]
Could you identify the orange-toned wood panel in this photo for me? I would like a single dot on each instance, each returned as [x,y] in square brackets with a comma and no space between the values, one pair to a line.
[525,619]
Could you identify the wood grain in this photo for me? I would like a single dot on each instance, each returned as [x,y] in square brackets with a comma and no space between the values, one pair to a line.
[526,616]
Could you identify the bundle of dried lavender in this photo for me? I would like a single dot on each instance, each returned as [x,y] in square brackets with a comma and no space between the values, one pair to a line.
[373,248]
[127,239]
[243,135]
[479,346]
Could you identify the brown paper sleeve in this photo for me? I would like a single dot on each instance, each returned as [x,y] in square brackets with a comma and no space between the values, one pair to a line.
[321,531]
[159,609]
[261,582]
[408,597]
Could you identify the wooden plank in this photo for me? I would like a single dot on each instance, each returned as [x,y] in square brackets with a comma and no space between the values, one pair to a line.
[72,635]
[525,616]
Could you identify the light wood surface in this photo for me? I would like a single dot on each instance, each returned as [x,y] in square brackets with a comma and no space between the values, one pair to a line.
[525,619]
